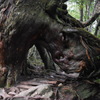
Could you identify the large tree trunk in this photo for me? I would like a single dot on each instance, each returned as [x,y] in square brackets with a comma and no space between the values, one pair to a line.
[47,23]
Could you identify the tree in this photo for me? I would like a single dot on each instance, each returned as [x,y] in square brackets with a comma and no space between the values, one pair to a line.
[97,9]
[48,25]
[87,12]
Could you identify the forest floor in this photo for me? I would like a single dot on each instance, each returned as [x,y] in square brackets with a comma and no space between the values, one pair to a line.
[51,85]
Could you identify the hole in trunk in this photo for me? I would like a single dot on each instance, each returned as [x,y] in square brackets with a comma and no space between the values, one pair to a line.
[34,59]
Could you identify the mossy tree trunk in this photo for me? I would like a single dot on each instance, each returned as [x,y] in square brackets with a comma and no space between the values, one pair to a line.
[48,24]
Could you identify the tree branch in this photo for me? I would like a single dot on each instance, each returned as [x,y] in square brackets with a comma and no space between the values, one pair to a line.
[91,20]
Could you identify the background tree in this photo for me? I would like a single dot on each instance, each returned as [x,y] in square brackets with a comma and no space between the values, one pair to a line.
[89,13]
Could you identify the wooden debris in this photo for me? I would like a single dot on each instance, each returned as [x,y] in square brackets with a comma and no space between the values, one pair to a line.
[24,86]
[31,83]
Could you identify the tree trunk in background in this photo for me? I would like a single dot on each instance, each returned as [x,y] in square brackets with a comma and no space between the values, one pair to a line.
[97,10]
[97,29]
[81,10]
[48,23]
[89,6]
[97,6]
[88,14]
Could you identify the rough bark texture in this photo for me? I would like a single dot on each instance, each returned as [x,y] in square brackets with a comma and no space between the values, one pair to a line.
[48,24]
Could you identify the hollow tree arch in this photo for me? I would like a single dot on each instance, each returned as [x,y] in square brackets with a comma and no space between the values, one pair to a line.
[46,23]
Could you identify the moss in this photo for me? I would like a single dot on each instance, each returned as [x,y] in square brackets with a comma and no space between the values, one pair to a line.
[2,81]
[86,91]
[97,81]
